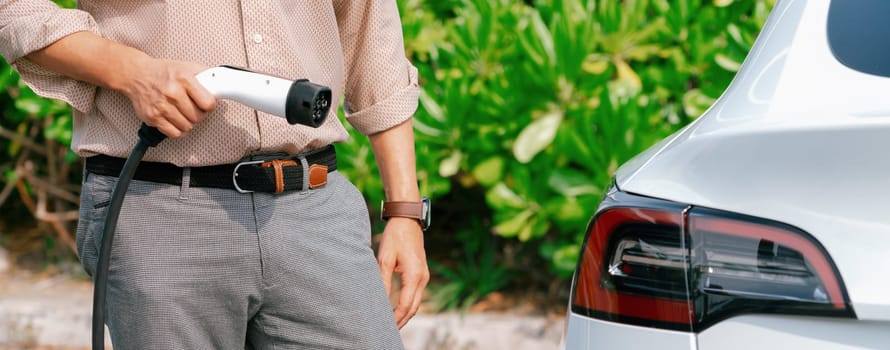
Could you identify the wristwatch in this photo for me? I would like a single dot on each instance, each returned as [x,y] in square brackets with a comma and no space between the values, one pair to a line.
[419,211]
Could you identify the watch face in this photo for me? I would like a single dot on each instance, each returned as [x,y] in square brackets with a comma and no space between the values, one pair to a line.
[425,220]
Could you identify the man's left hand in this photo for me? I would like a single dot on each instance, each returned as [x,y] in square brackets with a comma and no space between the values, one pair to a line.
[401,251]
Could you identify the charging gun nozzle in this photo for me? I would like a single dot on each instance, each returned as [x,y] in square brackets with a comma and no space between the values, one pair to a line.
[307,103]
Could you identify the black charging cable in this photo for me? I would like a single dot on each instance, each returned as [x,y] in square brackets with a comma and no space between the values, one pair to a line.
[148,137]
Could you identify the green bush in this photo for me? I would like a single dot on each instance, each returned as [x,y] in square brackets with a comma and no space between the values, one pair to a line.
[40,174]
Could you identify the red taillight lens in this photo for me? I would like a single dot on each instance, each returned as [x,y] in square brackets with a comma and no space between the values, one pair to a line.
[662,264]
[633,268]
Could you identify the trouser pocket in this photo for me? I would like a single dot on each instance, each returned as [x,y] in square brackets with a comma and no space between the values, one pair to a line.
[94,198]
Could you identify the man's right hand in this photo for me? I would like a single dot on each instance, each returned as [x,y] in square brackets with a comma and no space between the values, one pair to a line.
[164,93]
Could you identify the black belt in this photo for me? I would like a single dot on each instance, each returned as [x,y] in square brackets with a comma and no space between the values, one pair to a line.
[267,173]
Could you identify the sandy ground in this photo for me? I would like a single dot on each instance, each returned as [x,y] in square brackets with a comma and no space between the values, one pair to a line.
[53,313]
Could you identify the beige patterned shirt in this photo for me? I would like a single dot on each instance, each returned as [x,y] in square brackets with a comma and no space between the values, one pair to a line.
[353,46]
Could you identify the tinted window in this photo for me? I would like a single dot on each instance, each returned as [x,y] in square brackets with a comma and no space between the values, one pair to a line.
[859,34]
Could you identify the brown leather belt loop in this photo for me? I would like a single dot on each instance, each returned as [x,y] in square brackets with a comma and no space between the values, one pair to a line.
[278,165]
[318,175]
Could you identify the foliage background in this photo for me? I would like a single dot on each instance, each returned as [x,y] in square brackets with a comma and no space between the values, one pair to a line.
[528,108]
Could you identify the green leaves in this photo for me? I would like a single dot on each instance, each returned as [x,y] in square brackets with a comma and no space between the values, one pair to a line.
[471,278]
[695,102]
[489,171]
[537,135]
[449,166]
[502,197]
[21,107]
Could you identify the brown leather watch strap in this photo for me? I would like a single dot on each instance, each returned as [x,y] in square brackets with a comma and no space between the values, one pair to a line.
[412,210]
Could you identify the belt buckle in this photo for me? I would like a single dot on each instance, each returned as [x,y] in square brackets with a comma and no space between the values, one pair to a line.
[235,174]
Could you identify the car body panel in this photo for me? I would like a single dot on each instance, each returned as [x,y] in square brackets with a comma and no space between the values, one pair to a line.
[589,333]
[794,333]
[737,333]
[798,138]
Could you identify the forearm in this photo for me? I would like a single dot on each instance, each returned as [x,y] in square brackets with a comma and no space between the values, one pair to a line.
[394,151]
[88,57]
[401,248]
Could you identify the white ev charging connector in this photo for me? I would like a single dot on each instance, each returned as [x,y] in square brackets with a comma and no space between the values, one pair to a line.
[300,101]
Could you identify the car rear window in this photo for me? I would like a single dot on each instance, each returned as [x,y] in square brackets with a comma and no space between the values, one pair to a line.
[859,34]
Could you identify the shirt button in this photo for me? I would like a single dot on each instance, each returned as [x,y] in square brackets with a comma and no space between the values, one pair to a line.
[257,38]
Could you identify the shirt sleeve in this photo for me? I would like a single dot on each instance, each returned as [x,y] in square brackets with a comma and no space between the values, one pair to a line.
[29,25]
[381,84]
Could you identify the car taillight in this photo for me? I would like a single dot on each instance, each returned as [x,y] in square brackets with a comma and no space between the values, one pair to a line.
[661,264]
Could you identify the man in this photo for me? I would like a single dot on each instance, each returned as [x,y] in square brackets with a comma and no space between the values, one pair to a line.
[202,267]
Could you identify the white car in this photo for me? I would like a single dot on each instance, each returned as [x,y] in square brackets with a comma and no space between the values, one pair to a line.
[765,224]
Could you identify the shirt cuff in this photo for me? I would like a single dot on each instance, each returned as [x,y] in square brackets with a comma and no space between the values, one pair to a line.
[79,95]
[35,31]
[32,33]
[385,114]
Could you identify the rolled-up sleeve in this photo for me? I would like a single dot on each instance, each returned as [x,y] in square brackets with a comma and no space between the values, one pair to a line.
[30,25]
[381,84]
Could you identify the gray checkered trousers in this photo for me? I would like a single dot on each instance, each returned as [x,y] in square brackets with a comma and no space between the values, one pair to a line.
[206,268]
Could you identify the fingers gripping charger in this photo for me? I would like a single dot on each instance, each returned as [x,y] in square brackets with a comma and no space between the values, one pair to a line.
[300,102]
